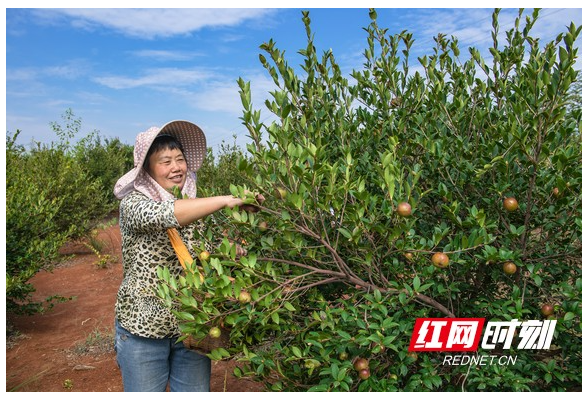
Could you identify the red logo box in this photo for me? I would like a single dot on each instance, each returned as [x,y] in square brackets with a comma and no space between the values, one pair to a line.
[446,334]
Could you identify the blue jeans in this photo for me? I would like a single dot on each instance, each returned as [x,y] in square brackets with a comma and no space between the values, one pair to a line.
[147,365]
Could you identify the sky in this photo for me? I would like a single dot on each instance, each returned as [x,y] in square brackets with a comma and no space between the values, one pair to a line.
[123,70]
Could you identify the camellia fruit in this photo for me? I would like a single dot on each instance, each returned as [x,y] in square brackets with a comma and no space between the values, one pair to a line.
[244,297]
[404,209]
[214,332]
[361,364]
[204,255]
[509,268]
[510,204]
[250,208]
[262,226]
[364,374]
[440,260]
[547,310]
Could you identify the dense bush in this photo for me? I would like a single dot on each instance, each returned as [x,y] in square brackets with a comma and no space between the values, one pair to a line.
[218,173]
[105,161]
[65,188]
[32,236]
[335,273]
[54,192]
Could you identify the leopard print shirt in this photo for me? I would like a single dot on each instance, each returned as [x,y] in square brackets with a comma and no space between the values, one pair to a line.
[146,246]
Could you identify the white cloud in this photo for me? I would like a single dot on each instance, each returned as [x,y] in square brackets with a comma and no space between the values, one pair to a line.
[150,23]
[172,77]
[219,104]
[92,98]
[472,26]
[167,55]
[218,96]
[551,22]
[229,38]
[69,70]
[222,94]
[21,74]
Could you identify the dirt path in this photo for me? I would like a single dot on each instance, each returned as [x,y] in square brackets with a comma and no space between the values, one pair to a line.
[69,348]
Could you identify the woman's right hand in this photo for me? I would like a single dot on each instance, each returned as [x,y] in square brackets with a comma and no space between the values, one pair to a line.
[253,207]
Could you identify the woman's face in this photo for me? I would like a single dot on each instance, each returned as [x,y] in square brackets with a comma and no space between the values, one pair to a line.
[168,168]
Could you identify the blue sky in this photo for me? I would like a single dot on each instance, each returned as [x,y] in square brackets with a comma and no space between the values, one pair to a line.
[124,70]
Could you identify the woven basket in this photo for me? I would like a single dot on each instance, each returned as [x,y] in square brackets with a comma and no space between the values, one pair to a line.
[208,343]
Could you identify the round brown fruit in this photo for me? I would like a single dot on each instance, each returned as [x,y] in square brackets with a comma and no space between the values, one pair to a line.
[361,364]
[204,255]
[343,356]
[440,260]
[364,374]
[409,256]
[262,226]
[404,209]
[413,355]
[509,268]
[547,310]
[244,297]
[510,204]
[250,208]
[214,332]
[555,192]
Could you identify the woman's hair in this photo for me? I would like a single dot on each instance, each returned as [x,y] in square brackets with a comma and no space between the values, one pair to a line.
[162,142]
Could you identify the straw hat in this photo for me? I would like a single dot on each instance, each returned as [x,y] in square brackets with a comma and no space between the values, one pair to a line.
[188,134]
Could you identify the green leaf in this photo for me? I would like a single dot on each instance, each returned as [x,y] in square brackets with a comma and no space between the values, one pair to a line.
[569,316]
[184,316]
[345,232]
[344,335]
[296,351]
[377,295]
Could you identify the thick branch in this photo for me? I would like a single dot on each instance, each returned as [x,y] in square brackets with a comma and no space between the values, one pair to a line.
[435,304]
[341,277]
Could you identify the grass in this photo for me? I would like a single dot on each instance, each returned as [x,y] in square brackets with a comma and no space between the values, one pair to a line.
[96,343]
[98,246]
[29,380]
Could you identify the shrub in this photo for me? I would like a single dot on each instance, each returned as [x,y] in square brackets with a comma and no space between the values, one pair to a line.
[336,274]
[52,193]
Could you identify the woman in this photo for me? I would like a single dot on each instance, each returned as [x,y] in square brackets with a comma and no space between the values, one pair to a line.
[146,331]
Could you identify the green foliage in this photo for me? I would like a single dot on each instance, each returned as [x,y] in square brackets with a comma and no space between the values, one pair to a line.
[217,174]
[105,161]
[33,236]
[66,179]
[53,192]
[337,274]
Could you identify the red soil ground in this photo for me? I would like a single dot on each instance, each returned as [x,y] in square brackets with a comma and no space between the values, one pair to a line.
[69,348]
